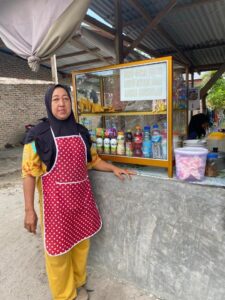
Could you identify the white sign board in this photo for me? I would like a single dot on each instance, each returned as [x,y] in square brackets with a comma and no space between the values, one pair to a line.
[145,82]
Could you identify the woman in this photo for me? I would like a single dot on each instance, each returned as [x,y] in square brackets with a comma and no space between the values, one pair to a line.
[56,153]
[197,126]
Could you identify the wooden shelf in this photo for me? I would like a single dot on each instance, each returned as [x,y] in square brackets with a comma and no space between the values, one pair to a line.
[135,160]
[127,113]
[123,113]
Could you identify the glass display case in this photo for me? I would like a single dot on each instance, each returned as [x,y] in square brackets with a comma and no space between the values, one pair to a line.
[129,110]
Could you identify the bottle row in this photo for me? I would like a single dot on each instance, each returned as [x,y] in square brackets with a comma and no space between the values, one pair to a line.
[147,142]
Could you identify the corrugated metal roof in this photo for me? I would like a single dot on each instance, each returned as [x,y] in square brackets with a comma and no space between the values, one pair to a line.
[197,25]
[196,28]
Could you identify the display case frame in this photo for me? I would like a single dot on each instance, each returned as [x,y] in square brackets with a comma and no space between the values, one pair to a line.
[162,163]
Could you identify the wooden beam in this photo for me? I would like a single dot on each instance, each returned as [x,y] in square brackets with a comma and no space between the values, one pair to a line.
[178,7]
[91,50]
[160,30]
[86,62]
[78,44]
[93,22]
[213,79]
[153,23]
[201,47]
[206,67]
[74,54]
[119,32]
[193,4]
[193,48]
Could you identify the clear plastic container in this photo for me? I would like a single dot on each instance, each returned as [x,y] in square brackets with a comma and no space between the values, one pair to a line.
[195,143]
[190,163]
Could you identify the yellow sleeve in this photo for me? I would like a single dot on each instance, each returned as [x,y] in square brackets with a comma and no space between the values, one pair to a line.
[31,162]
[95,158]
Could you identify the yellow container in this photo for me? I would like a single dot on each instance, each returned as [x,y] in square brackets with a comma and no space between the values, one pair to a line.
[216,140]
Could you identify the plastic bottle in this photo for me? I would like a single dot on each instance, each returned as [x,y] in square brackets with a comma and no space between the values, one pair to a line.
[106,142]
[147,144]
[99,140]
[120,143]
[164,141]
[164,147]
[138,139]
[93,138]
[129,143]
[156,142]
[113,141]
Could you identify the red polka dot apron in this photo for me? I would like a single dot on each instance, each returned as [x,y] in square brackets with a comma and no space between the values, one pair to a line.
[70,214]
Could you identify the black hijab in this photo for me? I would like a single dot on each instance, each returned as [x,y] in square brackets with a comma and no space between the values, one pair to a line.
[42,134]
[195,125]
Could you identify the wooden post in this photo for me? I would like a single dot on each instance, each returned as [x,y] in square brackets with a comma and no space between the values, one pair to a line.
[119,32]
[187,86]
[204,108]
[192,79]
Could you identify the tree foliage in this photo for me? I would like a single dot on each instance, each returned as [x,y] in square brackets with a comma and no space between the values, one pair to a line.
[216,95]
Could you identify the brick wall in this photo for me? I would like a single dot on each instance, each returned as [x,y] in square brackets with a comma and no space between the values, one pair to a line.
[14,67]
[20,104]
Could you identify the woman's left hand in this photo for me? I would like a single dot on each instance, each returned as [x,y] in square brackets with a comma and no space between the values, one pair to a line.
[122,173]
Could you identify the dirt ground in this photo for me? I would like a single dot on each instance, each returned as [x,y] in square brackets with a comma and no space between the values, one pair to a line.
[22,270]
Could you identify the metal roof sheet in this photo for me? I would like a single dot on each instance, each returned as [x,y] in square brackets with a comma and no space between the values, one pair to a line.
[200,24]
[197,29]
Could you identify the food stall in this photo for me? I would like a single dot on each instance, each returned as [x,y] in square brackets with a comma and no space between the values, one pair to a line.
[163,234]
[135,111]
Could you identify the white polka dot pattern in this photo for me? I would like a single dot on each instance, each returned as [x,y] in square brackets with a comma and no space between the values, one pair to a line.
[70,212]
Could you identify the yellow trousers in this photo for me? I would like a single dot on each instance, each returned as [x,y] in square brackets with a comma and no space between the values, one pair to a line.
[67,272]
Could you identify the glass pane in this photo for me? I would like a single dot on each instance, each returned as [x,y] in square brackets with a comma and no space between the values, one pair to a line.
[130,110]
[179,106]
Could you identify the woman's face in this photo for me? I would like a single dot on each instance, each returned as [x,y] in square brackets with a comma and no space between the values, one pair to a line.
[61,104]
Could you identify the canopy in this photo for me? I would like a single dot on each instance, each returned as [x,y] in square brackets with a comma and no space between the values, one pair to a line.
[34,29]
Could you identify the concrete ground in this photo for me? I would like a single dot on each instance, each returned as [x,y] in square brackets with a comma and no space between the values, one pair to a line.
[22,270]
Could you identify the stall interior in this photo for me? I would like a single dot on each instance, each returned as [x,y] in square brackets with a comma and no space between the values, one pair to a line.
[134,113]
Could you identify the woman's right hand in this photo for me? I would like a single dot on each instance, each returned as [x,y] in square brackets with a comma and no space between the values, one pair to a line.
[30,221]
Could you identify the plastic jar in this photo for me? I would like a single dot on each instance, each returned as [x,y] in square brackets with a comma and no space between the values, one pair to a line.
[211,168]
[190,163]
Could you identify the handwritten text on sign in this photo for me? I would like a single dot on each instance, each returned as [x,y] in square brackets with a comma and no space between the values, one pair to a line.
[147,82]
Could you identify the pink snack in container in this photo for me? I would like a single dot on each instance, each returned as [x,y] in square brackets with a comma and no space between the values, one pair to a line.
[190,163]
